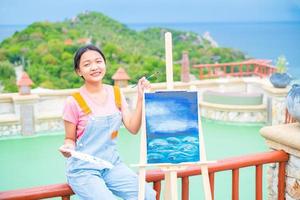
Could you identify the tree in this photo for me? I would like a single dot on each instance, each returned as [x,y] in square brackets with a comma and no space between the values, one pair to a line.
[8,77]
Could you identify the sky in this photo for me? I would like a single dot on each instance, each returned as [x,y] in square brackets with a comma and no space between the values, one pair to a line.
[19,12]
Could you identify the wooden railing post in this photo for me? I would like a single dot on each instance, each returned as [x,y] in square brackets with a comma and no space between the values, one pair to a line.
[185,188]
[157,188]
[281,181]
[258,181]
[201,73]
[235,184]
[241,70]
[212,184]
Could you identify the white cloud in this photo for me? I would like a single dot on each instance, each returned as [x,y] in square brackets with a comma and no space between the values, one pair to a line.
[171,125]
[156,108]
[164,108]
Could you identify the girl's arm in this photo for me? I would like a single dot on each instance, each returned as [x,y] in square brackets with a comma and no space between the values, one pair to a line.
[132,120]
[70,138]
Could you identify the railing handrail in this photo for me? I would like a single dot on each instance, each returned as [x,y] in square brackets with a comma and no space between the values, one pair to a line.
[247,62]
[261,68]
[41,192]
[225,164]
[64,190]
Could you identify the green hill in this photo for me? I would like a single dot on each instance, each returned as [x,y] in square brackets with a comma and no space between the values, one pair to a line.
[46,50]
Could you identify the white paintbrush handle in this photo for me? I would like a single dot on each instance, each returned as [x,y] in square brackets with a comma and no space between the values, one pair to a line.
[86,157]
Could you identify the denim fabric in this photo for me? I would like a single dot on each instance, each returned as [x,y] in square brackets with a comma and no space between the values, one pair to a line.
[91,182]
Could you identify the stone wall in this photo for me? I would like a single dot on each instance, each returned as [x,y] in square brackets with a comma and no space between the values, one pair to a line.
[284,137]
[10,128]
[29,114]
[47,106]
[292,179]
[230,113]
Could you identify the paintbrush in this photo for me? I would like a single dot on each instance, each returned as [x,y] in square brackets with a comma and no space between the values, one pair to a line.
[148,77]
[89,158]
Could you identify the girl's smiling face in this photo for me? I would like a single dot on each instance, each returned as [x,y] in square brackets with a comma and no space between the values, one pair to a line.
[91,66]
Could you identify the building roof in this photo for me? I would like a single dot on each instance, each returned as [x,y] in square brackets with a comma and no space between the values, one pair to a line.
[84,40]
[24,80]
[120,75]
[68,42]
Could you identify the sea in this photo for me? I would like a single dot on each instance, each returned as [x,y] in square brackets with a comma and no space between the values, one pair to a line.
[262,40]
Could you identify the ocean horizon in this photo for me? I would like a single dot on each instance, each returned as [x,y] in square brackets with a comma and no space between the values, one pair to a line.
[262,40]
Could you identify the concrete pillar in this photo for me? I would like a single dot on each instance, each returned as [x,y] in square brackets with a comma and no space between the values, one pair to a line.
[185,67]
[25,105]
[276,104]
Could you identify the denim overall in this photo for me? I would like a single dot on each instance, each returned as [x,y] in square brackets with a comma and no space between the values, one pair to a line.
[91,182]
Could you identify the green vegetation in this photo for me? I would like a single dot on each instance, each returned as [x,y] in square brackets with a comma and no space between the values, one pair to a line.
[281,64]
[46,50]
[8,76]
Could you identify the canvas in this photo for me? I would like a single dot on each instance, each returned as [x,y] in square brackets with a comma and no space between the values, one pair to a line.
[172,128]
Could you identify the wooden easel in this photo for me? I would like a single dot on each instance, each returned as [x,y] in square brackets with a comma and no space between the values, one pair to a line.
[170,169]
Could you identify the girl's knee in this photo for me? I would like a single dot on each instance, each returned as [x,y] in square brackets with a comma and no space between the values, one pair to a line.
[89,186]
[150,194]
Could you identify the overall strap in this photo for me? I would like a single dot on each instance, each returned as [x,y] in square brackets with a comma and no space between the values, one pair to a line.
[81,102]
[118,103]
[118,100]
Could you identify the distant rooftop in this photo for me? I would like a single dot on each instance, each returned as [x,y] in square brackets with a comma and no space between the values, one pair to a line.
[121,74]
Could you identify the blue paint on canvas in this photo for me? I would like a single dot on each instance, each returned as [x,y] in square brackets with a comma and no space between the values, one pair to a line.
[172,127]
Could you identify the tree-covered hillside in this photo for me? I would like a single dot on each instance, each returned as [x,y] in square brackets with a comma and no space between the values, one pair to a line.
[46,50]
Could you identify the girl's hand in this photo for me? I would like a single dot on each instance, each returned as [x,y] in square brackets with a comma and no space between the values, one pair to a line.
[143,84]
[63,149]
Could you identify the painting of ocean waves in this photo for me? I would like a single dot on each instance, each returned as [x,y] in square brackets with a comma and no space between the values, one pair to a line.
[172,127]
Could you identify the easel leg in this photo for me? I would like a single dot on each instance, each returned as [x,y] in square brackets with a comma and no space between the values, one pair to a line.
[142,183]
[171,185]
[206,185]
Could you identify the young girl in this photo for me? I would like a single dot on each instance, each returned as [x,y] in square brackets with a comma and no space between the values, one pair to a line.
[92,118]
